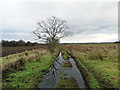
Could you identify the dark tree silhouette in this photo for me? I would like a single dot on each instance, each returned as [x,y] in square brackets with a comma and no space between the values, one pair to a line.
[13,43]
[51,31]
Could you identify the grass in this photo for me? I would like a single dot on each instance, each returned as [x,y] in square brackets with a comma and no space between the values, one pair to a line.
[98,64]
[15,57]
[95,55]
[90,79]
[67,83]
[11,61]
[65,74]
[65,55]
[67,64]
[100,61]
[105,72]
[30,74]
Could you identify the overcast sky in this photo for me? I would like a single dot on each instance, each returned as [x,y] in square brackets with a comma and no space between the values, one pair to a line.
[89,21]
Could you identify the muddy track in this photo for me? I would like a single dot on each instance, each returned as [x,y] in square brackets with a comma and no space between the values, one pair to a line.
[85,75]
[52,78]
[82,70]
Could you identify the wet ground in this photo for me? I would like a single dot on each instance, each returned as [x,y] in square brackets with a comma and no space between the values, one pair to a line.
[57,71]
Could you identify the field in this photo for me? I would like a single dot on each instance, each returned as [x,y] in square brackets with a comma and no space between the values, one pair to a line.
[12,50]
[26,69]
[98,64]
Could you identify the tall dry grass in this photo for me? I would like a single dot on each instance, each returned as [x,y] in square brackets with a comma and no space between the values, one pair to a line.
[16,61]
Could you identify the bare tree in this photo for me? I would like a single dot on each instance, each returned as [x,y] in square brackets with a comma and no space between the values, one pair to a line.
[51,31]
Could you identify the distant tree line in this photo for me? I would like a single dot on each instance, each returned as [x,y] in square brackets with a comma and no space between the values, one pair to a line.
[117,41]
[17,43]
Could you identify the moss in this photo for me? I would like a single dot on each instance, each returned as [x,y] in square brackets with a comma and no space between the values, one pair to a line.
[65,74]
[67,83]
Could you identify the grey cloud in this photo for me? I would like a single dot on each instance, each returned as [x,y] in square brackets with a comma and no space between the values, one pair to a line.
[81,29]
[83,18]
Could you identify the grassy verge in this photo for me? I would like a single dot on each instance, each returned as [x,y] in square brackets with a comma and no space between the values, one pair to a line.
[89,78]
[100,62]
[67,83]
[31,73]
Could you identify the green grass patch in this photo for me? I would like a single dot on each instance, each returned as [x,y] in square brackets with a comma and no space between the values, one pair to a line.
[67,83]
[65,55]
[67,64]
[30,74]
[91,81]
[65,74]
[105,72]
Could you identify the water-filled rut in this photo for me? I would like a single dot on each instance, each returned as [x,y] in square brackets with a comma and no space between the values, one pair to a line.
[52,78]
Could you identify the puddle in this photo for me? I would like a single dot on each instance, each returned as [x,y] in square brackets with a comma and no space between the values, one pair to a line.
[51,79]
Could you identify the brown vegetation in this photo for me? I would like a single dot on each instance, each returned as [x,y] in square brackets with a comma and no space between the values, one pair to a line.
[12,50]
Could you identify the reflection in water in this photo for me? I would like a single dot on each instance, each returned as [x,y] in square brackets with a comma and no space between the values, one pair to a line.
[56,71]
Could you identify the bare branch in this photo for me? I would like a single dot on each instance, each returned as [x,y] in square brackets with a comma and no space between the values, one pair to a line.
[52,30]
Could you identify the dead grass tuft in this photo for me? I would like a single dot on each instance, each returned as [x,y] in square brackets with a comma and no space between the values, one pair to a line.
[13,65]
[95,55]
